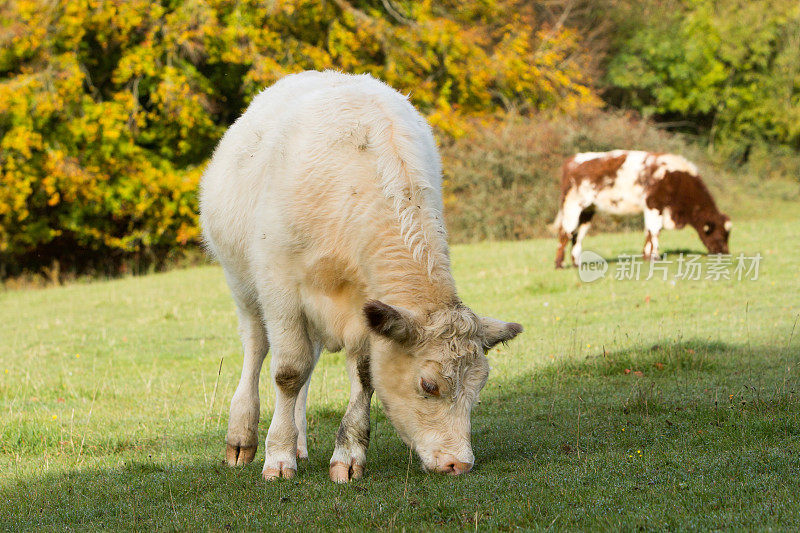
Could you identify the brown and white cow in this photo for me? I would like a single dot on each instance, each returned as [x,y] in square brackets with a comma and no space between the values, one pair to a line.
[667,188]
[323,204]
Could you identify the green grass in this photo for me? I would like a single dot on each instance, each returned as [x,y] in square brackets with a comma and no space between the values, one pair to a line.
[624,404]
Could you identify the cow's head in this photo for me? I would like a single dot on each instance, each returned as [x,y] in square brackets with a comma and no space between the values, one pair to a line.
[714,231]
[428,371]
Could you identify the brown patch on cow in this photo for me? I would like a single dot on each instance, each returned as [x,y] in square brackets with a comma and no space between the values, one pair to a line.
[563,239]
[690,202]
[649,167]
[289,380]
[687,197]
[599,171]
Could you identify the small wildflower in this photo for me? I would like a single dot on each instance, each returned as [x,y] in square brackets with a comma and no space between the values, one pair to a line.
[55,417]
[639,451]
[623,429]
[6,371]
[77,356]
[588,345]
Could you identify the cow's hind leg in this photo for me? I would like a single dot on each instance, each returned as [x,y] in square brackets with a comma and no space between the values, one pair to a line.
[570,218]
[242,437]
[584,223]
[563,240]
[350,454]
[293,360]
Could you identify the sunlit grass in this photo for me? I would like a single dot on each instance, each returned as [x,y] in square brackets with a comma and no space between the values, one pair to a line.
[623,404]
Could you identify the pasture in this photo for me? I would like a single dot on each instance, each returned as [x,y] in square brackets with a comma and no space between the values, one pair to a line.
[623,404]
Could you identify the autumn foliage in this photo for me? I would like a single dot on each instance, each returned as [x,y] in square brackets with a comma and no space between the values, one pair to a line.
[108,109]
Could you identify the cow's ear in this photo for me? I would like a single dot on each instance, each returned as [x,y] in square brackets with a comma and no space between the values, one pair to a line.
[728,223]
[394,323]
[496,331]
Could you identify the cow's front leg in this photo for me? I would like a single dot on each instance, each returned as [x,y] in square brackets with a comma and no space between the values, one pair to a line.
[242,437]
[293,358]
[350,454]
[653,222]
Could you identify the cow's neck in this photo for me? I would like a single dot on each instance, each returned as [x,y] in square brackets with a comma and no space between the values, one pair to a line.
[399,279]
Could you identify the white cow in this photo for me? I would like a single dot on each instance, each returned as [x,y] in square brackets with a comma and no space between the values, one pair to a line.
[323,205]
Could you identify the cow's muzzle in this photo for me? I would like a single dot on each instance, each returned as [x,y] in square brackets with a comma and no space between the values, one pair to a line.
[448,464]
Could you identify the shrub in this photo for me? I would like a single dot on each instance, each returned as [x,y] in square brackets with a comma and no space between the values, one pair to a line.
[729,68]
[109,109]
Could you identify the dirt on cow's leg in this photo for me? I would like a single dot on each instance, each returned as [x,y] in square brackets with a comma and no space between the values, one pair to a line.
[350,453]
[242,437]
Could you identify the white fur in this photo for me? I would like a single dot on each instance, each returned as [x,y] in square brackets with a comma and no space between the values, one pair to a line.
[328,181]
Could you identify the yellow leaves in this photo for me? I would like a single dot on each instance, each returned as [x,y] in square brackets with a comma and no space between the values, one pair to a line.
[110,107]
[21,141]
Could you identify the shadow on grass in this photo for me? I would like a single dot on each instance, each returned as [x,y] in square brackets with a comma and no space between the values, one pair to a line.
[561,443]
[671,252]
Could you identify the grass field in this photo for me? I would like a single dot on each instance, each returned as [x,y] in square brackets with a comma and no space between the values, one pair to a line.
[624,404]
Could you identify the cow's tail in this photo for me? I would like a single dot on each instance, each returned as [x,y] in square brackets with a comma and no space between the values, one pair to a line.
[555,226]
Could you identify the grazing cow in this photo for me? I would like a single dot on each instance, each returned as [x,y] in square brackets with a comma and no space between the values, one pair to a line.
[323,204]
[666,187]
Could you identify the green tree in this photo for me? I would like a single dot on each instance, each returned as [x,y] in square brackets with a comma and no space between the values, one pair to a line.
[731,67]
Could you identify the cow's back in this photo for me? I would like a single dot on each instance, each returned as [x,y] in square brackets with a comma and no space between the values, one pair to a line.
[317,165]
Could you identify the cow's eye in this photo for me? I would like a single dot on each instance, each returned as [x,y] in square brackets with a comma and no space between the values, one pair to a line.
[429,387]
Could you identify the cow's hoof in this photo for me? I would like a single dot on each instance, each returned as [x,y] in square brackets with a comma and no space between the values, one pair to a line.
[342,473]
[302,453]
[240,455]
[283,471]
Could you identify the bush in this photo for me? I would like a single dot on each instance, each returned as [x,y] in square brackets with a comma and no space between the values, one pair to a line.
[109,109]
